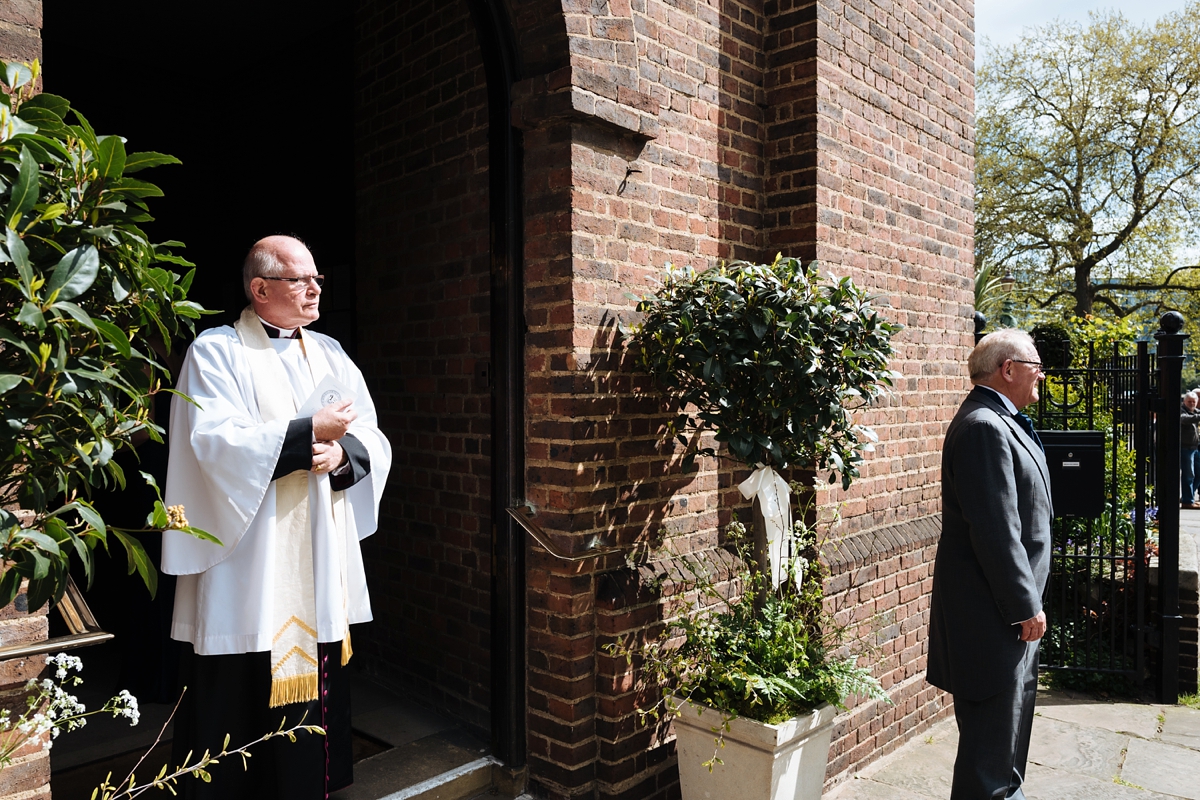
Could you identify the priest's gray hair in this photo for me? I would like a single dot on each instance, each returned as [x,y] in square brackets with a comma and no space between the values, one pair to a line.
[261,262]
[996,348]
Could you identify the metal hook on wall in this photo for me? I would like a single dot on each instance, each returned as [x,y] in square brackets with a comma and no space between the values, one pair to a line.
[625,181]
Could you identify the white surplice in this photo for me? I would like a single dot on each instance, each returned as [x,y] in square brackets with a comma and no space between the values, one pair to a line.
[222,458]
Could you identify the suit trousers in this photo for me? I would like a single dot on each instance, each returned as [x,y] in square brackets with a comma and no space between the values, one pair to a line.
[993,738]
[1188,478]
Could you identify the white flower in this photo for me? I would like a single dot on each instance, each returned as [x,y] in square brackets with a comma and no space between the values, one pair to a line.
[126,705]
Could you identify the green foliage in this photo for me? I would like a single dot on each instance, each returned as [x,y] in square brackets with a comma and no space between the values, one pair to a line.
[762,654]
[990,290]
[1104,336]
[773,358]
[84,301]
[1088,163]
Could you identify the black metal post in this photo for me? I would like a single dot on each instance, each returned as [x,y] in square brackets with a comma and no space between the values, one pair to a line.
[1141,445]
[1170,366]
[980,323]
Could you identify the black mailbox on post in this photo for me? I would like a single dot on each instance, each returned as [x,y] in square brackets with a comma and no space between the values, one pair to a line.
[1076,462]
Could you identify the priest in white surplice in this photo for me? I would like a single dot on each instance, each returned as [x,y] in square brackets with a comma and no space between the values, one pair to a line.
[289,479]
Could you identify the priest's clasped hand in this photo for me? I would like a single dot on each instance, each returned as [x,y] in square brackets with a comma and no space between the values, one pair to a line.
[327,456]
[331,422]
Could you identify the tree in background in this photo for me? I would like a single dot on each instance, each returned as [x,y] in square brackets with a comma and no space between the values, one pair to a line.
[1088,164]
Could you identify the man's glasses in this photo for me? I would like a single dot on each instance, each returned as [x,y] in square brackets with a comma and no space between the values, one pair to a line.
[319,280]
[1035,364]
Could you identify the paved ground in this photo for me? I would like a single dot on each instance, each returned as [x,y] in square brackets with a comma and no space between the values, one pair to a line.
[1082,749]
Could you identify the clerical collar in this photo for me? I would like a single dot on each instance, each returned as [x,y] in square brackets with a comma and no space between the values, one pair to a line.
[279,333]
[1012,409]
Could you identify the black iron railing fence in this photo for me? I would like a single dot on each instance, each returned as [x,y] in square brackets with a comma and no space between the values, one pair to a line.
[1096,600]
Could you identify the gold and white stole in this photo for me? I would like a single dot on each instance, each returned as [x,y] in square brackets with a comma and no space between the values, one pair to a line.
[294,665]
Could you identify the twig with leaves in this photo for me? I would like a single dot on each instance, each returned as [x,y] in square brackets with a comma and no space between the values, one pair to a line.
[129,788]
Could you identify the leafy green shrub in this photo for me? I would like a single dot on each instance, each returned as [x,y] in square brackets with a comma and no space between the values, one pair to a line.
[773,358]
[85,299]
[756,652]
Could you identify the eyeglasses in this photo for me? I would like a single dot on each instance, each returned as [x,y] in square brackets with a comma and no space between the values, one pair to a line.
[1035,364]
[319,280]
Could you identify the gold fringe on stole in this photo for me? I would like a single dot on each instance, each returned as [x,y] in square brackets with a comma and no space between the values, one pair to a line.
[296,689]
[347,650]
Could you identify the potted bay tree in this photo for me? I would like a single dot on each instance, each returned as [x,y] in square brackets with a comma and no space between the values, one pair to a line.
[773,360]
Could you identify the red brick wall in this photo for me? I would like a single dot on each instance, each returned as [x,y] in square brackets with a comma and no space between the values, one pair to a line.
[29,774]
[20,30]
[870,152]
[816,128]
[654,132]
[423,295]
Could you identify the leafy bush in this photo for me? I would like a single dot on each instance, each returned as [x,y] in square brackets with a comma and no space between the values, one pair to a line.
[85,300]
[773,358]
[764,654]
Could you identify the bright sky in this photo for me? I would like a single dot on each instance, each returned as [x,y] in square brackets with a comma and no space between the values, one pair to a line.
[1001,21]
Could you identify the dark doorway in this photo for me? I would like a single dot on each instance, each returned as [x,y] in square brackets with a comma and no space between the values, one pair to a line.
[324,122]
[253,98]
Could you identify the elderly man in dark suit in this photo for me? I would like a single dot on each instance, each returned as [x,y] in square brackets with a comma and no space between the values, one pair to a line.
[993,560]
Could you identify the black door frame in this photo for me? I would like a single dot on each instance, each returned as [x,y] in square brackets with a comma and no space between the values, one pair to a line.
[498,47]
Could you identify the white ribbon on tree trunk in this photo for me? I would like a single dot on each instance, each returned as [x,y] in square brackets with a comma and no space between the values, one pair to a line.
[775,502]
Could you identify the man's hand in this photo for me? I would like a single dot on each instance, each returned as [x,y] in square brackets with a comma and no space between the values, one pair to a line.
[1034,629]
[331,422]
[327,456]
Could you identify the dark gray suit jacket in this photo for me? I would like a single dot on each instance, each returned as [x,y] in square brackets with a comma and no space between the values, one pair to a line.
[994,555]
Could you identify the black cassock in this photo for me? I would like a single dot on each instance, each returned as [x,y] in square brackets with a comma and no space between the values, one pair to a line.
[228,694]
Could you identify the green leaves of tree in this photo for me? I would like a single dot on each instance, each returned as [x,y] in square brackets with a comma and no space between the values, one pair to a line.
[110,157]
[75,272]
[1088,165]
[773,358]
[137,162]
[88,301]
[24,191]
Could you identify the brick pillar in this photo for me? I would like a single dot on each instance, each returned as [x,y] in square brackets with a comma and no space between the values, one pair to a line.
[868,145]
[28,777]
[20,30]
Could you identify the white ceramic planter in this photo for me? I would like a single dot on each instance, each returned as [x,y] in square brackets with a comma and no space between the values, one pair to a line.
[762,762]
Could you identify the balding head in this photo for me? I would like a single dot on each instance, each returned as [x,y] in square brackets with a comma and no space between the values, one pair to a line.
[282,282]
[266,258]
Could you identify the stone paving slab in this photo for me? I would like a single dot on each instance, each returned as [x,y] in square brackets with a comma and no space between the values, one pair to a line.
[1161,767]
[1082,749]
[861,789]
[926,768]
[1133,718]
[1182,726]
[922,768]
[1094,752]
[1045,783]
